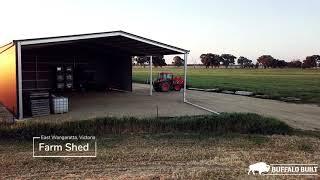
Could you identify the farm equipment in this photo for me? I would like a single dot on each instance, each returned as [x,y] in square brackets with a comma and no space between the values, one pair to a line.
[167,81]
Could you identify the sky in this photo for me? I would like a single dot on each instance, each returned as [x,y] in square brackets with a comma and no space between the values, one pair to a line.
[285,29]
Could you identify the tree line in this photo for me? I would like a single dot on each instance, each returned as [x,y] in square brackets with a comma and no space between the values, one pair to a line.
[157,61]
[266,61]
[215,60]
[144,60]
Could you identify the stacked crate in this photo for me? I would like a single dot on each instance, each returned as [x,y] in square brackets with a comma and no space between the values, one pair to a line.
[69,78]
[39,103]
[60,78]
[64,78]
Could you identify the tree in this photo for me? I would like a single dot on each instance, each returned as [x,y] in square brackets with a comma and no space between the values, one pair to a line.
[245,62]
[178,61]
[317,58]
[256,65]
[295,64]
[215,60]
[269,62]
[158,61]
[274,63]
[248,64]
[241,61]
[227,59]
[266,61]
[205,59]
[210,59]
[281,63]
[311,61]
[141,60]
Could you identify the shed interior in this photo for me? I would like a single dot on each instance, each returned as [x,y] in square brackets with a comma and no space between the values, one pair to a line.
[98,64]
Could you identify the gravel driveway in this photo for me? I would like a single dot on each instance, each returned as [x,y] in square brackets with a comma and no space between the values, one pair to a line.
[303,116]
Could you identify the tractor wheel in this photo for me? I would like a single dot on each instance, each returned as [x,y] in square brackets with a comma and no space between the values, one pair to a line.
[165,87]
[156,88]
[177,87]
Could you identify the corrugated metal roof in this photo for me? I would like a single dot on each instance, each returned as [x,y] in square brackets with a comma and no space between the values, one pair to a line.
[121,39]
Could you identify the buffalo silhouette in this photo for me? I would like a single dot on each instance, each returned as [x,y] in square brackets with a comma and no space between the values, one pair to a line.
[261,167]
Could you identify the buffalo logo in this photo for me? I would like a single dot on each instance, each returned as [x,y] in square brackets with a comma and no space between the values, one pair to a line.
[260,167]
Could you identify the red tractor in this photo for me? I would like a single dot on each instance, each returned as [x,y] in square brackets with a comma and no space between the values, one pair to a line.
[166,81]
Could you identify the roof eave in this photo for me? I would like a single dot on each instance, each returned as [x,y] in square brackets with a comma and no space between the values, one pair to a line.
[100,35]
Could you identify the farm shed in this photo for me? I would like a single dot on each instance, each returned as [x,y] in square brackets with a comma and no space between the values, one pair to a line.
[98,60]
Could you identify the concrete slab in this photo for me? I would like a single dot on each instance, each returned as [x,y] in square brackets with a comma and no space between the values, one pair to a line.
[120,104]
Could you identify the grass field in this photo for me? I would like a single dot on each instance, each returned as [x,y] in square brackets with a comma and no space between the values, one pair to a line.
[276,83]
[163,156]
[191,147]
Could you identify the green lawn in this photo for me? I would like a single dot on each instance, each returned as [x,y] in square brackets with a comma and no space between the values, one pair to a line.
[276,83]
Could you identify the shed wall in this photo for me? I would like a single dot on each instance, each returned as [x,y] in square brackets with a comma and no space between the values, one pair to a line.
[120,73]
[111,71]
[8,77]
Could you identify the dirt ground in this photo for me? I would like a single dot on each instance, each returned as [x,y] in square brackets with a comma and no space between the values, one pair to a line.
[139,104]
[163,157]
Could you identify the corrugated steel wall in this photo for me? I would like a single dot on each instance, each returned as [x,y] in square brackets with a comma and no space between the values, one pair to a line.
[114,72]
[107,70]
[8,78]
[120,73]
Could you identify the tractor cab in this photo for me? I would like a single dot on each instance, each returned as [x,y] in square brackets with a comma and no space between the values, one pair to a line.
[165,75]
